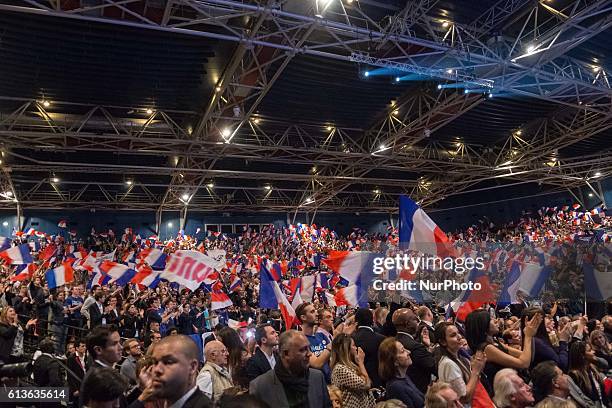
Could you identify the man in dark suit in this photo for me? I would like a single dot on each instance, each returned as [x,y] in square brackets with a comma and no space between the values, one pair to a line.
[292,383]
[265,358]
[76,365]
[423,362]
[96,311]
[46,369]
[173,378]
[104,346]
[426,317]
[369,341]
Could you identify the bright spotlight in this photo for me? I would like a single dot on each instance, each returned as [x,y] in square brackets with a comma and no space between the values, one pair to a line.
[395,112]
[218,89]
[439,86]
[466,91]
[397,79]
[445,24]
[531,48]
[366,74]
[329,128]
[256,120]
[449,71]
[46,104]
[149,111]
[590,194]
[226,133]
[382,147]
[598,174]
[596,69]
[268,187]
[129,182]
[5,223]
[489,95]
[55,180]
[8,194]
[185,197]
[210,185]
[376,191]
[170,225]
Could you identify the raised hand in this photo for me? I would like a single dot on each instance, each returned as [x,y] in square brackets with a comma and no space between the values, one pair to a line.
[478,362]
[531,328]
[425,337]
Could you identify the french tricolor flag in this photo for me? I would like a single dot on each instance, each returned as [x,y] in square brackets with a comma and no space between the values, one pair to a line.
[236,284]
[154,257]
[348,296]
[98,278]
[18,255]
[597,284]
[417,232]
[349,264]
[120,274]
[219,300]
[147,277]
[60,276]
[5,243]
[23,272]
[285,307]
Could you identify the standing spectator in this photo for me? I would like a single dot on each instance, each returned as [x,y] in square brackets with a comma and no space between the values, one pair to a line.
[214,377]
[103,387]
[74,303]
[46,369]
[320,347]
[238,355]
[185,321]
[11,336]
[111,316]
[426,317]
[59,320]
[326,323]
[349,373]
[77,366]
[423,365]
[103,346]
[96,311]
[265,357]
[132,350]
[543,350]
[394,361]
[130,323]
[511,391]
[173,375]
[369,341]
[292,383]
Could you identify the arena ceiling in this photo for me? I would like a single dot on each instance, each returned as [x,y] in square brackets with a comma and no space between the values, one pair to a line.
[299,105]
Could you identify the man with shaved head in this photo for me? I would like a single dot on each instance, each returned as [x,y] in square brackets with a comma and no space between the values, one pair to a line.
[423,363]
[292,383]
[172,378]
[214,378]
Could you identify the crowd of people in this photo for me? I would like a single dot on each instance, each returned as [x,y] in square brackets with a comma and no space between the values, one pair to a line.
[166,346]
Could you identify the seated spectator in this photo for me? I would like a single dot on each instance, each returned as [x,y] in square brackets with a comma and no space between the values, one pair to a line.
[335,395]
[103,387]
[511,391]
[584,375]
[550,383]
[265,356]
[442,395]
[349,373]
[292,383]
[462,375]
[394,360]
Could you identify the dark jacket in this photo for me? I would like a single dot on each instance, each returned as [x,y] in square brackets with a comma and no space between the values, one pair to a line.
[258,364]
[423,362]
[7,339]
[95,316]
[198,399]
[544,351]
[268,388]
[369,342]
[406,391]
[47,372]
[129,325]
[73,365]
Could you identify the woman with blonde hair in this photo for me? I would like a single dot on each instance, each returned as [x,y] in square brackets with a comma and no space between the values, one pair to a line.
[11,336]
[601,346]
[335,395]
[349,373]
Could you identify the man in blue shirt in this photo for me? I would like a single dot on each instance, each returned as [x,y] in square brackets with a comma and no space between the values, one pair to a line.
[319,344]
[74,303]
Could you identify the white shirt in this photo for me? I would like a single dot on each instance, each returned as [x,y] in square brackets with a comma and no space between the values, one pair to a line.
[271,359]
[181,401]
[204,380]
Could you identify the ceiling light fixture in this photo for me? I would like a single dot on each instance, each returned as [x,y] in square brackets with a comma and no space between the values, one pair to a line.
[46,104]
[149,111]
[226,133]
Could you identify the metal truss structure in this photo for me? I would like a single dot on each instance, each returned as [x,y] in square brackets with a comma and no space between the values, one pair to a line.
[317,166]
